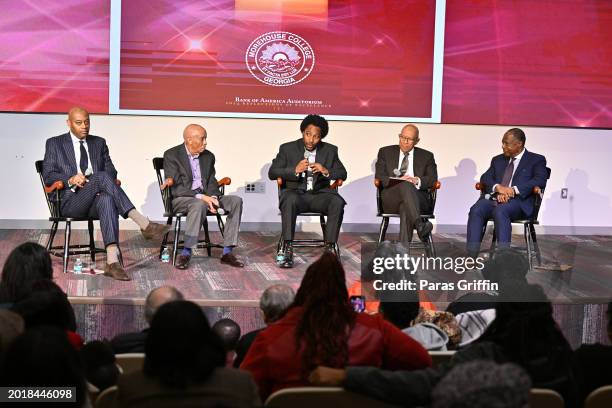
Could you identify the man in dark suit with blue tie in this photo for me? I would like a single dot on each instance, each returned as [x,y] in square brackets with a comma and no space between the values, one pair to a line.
[509,184]
[82,162]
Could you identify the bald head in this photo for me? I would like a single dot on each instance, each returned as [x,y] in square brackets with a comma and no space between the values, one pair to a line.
[78,122]
[158,297]
[408,137]
[195,139]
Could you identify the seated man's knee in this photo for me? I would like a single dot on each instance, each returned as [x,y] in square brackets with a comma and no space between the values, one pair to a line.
[288,201]
[336,204]
[501,213]
[197,206]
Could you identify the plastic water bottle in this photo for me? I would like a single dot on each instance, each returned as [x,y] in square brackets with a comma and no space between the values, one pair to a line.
[165,256]
[78,266]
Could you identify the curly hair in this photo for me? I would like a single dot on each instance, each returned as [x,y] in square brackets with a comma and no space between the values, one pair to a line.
[323,331]
[318,121]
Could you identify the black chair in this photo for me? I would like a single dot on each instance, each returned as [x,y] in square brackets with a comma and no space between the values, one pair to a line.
[529,232]
[166,192]
[384,224]
[303,243]
[66,250]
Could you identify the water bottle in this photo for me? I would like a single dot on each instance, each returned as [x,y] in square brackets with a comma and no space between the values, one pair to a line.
[165,256]
[78,266]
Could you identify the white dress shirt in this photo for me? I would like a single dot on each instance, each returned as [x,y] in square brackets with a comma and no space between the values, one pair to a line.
[410,169]
[517,160]
[76,145]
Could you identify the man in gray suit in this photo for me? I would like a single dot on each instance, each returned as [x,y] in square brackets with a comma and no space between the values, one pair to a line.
[82,162]
[195,190]
[407,172]
[307,165]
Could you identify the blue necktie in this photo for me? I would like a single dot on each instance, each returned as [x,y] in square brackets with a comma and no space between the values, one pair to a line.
[508,173]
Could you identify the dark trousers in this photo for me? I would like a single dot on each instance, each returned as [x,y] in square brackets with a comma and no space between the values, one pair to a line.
[101,198]
[403,198]
[293,202]
[502,215]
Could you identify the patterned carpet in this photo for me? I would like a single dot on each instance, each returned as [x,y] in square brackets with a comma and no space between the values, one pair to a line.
[106,307]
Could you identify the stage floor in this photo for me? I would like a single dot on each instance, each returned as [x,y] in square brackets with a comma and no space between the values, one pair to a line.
[225,289]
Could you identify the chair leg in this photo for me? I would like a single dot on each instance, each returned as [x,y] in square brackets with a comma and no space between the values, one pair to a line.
[120,256]
[67,245]
[206,236]
[534,241]
[52,235]
[164,242]
[92,242]
[323,223]
[493,242]
[430,244]
[177,232]
[221,225]
[383,229]
[528,244]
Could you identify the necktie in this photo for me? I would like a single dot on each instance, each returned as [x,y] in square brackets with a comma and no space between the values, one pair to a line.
[404,166]
[84,162]
[508,173]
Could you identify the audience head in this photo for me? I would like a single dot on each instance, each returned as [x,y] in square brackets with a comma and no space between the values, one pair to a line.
[46,305]
[483,384]
[506,267]
[275,301]
[43,357]
[323,293]
[98,361]
[181,349]
[25,264]
[11,326]
[228,332]
[158,297]
[610,321]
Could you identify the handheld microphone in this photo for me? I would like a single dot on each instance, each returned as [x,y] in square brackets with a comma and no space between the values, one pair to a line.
[307,157]
[220,210]
[88,172]
[397,172]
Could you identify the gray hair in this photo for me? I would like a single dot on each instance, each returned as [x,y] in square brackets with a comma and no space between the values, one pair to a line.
[483,384]
[158,297]
[275,301]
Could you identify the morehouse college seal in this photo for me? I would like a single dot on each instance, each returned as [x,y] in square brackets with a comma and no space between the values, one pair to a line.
[280,58]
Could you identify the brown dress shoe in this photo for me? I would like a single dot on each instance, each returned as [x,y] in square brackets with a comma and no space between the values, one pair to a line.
[231,259]
[115,271]
[182,261]
[155,231]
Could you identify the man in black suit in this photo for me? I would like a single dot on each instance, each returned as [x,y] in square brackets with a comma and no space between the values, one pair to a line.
[82,162]
[195,190]
[307,165]
[406,173]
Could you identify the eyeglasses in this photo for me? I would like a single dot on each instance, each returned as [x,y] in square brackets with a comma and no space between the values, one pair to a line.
[407,139]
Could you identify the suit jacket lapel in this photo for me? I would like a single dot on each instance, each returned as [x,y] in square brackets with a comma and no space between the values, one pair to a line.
[392,160]
[184,160]
[93,154]
[69,152]
[521,164]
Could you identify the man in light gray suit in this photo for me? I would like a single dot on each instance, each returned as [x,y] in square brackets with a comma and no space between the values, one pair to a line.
[195,191]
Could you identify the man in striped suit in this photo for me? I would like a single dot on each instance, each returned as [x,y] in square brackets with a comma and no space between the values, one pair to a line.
[82,162]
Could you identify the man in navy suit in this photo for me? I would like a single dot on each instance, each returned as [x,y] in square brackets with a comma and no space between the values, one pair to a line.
[509,184]
[82,162]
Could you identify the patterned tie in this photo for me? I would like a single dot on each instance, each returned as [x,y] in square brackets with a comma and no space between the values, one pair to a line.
[508,173]
[84,162]
[404,166]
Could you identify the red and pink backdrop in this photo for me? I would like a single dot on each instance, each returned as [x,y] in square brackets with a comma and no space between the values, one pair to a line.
[520,62]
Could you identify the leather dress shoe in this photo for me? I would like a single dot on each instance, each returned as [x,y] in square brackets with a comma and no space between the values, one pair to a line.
[116,271]
[155,231]
[424,228]
[230,259]
[182,261]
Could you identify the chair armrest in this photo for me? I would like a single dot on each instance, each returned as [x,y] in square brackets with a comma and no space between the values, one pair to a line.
[168,183]
[377,182]
[118,182]
[279,181]
[479,186]
[336,184]
[537,190]
[58,185]
[436,185]
[225,181]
